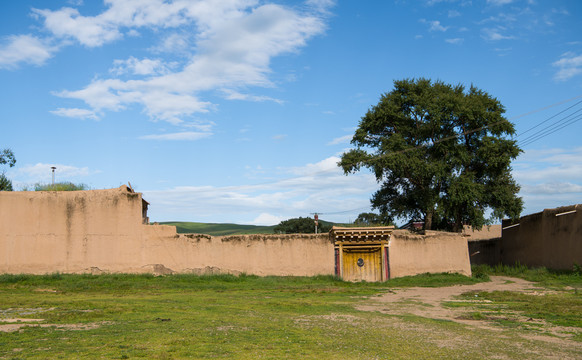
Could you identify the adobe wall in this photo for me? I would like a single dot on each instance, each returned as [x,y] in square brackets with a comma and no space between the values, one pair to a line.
[264,254]
[544,239]
[435,252]
[51,231]
[102,230]
[485,251]
[484,244]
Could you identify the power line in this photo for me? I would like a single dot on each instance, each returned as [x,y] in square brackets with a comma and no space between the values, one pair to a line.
[548,119]
[342,212]
[559,125]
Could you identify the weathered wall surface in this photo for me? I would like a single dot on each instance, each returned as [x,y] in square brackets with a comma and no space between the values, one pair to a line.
[67,231]
[546,239]
[297,254]
[435,252]
[484,244]
[102,230]
[485,251]
[487,232]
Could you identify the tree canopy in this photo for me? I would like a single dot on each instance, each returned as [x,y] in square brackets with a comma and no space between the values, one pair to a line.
[300,225]
[373,219]
[442,154]
[6,158]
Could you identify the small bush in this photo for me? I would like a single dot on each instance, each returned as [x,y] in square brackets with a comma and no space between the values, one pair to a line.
[5,183]
[62,186]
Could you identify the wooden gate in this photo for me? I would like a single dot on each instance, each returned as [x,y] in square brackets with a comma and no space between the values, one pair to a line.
[362,264]
[361,253]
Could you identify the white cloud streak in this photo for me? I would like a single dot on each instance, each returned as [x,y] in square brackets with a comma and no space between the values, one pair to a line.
[341,140]
[495,34]
[455,41]
[139,67]
[178,136]
[27,49]
[499,2]
[569,65]
[76,113]
[41,172]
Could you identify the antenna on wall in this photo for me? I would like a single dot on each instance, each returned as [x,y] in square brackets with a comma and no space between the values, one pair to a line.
[130,188]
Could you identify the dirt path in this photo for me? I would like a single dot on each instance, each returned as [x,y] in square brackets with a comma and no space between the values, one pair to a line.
[428,303]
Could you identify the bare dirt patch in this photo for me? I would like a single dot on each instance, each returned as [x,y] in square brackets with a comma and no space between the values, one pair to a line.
[429,303]
[20,325]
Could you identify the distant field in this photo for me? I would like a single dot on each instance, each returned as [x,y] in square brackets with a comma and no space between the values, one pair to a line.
[219,229]
[223,229]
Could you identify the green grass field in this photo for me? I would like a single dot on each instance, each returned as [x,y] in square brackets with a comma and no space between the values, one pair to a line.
[248,317]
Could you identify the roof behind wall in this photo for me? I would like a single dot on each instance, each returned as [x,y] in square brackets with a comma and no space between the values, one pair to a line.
[361,233]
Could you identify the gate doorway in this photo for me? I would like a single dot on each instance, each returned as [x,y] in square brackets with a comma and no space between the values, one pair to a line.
[361,254]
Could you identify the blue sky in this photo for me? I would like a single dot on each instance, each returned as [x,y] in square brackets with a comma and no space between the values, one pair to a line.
[237,111]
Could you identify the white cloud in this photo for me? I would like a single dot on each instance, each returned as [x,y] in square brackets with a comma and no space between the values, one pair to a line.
[89,31]
[231,52]
[231,94]
[341,140]
[495,34]
[320,187]
[499,2]
[549,177]
[455,41]
[42,173]
[76,113]
[553,188]
[568,66]
[267,220]
[28,49]
[174,43]
[453,13]
[434,25]
[139,67]
[185,135]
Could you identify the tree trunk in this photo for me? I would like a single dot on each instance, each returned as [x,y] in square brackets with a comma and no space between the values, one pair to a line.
[428,219]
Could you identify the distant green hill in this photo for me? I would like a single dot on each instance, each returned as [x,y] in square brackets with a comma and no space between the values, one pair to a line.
[183,227]
[218,229]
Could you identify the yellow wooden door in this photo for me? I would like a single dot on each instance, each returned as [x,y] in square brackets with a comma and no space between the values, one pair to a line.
[362,264]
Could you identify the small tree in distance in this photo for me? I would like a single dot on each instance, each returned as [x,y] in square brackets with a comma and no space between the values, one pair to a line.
[60,186]
[373,219]
[300,225]
[6,158]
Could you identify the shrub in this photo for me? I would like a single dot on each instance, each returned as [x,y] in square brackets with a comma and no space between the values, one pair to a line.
[62,186]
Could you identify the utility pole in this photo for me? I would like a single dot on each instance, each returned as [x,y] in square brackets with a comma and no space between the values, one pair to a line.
[53,169]
[316,218]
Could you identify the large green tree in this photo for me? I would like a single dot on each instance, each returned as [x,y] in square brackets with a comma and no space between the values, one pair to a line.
[441,152]
[6,158]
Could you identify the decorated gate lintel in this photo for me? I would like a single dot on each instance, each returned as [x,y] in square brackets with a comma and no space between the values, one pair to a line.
[361,253]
